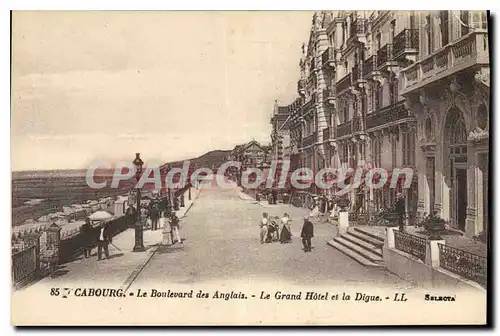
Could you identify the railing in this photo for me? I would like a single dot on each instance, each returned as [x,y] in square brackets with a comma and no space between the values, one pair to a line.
[326,134]
[344,129]
[73,245]
[301,85]
[407,39]
[463,263]
[357,123]
[309,104]
[24,265]
[327,56]
[411,244]
[467,51]
[384,55]
[358,27]
[370,65]
[309,140]
[344,83]
[387,114]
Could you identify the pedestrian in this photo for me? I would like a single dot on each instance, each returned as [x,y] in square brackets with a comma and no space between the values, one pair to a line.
[87,241]
[307,233]
[264,222]
[166,229]
[103,240]
[400,210]
[286,231]
[174,224]
[155,216]
[144,217]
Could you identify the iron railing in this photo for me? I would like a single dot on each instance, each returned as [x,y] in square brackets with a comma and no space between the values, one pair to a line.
[309,140]
[344,83]
[328,56]
[387,114]
[344,129]
[370,65]
[24,265]
[463,263]
[407,39]
[384,55]
[411,244]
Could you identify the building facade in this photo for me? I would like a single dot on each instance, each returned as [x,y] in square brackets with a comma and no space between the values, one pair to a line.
[394,89]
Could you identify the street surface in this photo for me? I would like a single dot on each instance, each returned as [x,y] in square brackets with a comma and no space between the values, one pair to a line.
[223,244]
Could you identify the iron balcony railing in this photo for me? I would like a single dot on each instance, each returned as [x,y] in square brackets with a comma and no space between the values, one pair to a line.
[387,114]
[344,83]
[309,140]
[407,39]
[369,65]
[326,134]
[384,55]
[358,27]
[344,129]
[328,57]
[301,85]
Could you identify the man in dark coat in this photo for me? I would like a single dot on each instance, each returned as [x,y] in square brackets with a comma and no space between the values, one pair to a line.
[307,233]
[400,210]
[103,240]
[155,216]
[86,232]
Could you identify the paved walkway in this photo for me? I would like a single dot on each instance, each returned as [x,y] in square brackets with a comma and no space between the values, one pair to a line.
[223,248]
[118,271]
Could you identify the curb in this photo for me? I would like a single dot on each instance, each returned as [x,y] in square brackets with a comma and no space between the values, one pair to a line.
[131,278]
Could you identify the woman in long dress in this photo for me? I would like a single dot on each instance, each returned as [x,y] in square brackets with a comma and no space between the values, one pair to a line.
[286,232]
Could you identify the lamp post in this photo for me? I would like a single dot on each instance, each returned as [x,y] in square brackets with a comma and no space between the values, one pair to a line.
[139,243]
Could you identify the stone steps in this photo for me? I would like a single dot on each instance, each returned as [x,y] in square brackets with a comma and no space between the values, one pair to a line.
[357,257]
[362,245]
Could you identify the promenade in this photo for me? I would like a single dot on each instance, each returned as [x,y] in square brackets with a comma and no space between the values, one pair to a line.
[117,272]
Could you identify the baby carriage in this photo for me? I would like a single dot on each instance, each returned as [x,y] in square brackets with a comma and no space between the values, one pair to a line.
[273,229]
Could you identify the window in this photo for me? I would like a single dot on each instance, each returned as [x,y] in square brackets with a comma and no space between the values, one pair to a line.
[464,24]
[428,34]
[408,148]
[377,152]
[393,29]
[394,92]
[443,25]
[346,112]
[378,40]
[380,96]
[393,150]
[344,154]
[412,20]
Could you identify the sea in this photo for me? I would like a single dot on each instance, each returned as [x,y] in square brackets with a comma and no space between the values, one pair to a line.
[38,193]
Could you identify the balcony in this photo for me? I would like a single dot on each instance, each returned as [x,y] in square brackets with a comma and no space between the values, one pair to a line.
[357,73]
[384,56]
[370,66]
[343,84]
[327,132]
[310,103]
[406,44]
[328,58]
[387,115]
[301,86]
[310,140]
[329,96]
[469,51]
[357,123]
[344,129]
[358,30]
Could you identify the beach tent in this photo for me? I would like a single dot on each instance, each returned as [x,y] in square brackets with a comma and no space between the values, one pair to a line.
[100,216]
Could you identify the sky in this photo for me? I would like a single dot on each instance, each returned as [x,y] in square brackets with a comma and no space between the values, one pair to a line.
[94,86]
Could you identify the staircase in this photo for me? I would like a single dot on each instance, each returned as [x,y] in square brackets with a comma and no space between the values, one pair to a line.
[362,245]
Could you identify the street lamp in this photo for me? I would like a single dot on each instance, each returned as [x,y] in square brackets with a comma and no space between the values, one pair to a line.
[139,243]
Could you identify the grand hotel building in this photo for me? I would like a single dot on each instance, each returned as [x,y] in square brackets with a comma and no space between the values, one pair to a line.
[391,89]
